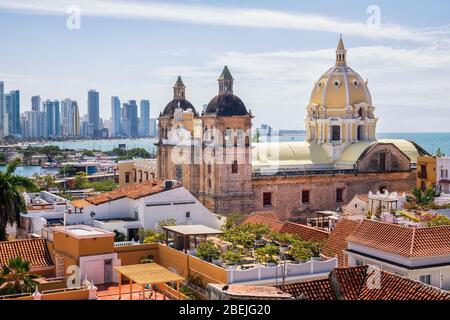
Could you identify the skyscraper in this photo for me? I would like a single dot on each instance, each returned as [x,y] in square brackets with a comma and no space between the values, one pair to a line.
[53,120]
[153,128]
[74,120]
[144,118]
[34,125]
[70,118]
[132,116]
[36,103]
[94,111]
[13,111]
[2,108]
[116,124]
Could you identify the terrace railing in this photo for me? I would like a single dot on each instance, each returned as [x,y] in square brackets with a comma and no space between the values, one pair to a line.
[277,273]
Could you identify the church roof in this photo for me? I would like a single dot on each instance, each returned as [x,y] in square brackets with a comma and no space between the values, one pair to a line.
[184,104]
[340,86]
[302,154]
[226,74]
[289,154]
[353,152]
[226,105]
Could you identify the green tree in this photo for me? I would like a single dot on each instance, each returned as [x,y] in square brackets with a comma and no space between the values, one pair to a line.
[68,171]
[439,153]
[51,152]
[80,180]
[103,186]
[15,277]
[208,251]
[11,200]
[440,220]
[233,220]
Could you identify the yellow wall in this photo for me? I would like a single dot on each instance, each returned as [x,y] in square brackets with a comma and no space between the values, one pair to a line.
[427,179]
[133,254]
[72,248]
[172,259]
[68,295]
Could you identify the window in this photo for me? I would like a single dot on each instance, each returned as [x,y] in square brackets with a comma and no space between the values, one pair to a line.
[335,133]
[209,168]
[383,189]
[382,162]
[425,279]
[444,173]
[146,176]
[339,195]
[267,199]
[359,262]
[423,171]
[234,167]
[188,214]
[127,177]
[305,196]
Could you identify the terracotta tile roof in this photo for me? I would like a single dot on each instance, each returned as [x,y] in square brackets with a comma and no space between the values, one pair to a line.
[33,250]
[362,197]
[401,240]
[81,203]
[133,191]
[337,242]
[305,233]
[319,289]
[268,214]
[362,283]
[274,225]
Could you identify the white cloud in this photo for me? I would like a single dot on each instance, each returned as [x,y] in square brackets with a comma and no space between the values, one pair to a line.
[409,86]
[224,16]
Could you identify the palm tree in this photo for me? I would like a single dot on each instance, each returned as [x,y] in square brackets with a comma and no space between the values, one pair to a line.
[15,277]
[11,200]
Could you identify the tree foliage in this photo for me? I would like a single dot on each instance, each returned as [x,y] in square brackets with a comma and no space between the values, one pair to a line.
[11,200]
[15,277]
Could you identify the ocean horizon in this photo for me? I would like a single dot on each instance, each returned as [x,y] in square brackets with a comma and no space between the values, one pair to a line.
[430,141]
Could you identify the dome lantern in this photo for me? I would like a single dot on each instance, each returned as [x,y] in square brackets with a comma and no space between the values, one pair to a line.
[341,53]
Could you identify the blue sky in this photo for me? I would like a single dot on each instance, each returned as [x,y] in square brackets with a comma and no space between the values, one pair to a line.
[274,49]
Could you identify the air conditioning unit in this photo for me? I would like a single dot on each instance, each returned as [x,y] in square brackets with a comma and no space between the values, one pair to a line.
[169,184]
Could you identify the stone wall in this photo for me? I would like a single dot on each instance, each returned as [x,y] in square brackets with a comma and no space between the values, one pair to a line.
[287,191]
[395,160]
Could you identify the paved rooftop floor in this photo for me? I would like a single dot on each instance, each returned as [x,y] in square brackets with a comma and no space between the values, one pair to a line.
[111,292]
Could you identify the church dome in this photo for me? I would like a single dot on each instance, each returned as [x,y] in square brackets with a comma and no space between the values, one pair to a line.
[175,103]
[179,99]
[340,86]
[226,104]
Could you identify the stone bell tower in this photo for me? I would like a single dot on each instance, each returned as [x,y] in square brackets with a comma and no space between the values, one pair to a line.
[226,172]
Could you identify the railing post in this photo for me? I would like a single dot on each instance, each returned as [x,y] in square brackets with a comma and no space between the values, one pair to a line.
[36,294]
[92,291]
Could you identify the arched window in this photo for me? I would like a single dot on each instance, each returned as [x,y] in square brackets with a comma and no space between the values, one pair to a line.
[360,112]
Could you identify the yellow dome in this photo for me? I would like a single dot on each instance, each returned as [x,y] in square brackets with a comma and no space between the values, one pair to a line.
[340,86]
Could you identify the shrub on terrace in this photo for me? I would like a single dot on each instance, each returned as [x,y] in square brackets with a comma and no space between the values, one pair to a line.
[267,254]
[208,251]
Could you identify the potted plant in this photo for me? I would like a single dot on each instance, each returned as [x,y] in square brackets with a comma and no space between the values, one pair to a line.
[266,254]
[208,251]
[232,258]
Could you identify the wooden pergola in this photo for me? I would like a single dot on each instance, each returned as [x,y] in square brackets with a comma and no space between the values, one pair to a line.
[188,231]
[149,274]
